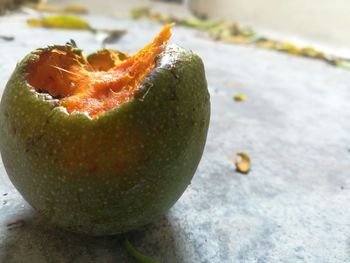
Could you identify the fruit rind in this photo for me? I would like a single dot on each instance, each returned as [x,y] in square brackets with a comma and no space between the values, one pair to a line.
[118,171]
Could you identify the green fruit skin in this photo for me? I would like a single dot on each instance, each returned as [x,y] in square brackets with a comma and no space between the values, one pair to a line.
[118,171]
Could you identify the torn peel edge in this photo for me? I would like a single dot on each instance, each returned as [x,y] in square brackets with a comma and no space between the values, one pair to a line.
[97,83]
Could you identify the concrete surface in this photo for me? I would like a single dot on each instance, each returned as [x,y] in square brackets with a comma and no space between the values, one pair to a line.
[293,205]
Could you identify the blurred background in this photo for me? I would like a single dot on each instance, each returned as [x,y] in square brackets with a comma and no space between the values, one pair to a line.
[320,22]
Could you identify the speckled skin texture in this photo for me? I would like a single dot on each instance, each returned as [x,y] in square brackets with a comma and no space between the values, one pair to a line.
[118,171]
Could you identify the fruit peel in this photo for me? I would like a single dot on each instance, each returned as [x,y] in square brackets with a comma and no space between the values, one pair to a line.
[115,172]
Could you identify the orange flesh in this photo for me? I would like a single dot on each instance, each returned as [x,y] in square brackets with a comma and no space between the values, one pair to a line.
[96,84]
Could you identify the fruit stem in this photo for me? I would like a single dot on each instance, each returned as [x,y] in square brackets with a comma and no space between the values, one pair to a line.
[136,254]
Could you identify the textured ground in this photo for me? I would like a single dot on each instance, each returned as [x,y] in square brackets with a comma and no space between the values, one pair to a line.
[293,205]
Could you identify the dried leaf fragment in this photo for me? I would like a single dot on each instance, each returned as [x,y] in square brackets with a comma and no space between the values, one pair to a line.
[76,9]
[15,224]
[343,63]
[7,38]
[198,23]
[136,254]
[240,97]
[45,7]
[72,43]
[113,36]
[63,22]
[312,52]
[243,165]
[267,43]
[241,40]
[139,12]
[50,8]
[288,48]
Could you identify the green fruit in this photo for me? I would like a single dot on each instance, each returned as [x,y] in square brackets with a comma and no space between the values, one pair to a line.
[118,170]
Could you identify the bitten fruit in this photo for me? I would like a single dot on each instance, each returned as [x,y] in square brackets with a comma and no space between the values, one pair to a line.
[105,143]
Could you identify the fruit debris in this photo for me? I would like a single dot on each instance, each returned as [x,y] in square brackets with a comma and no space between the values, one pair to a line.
[243,166]
[240,97]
